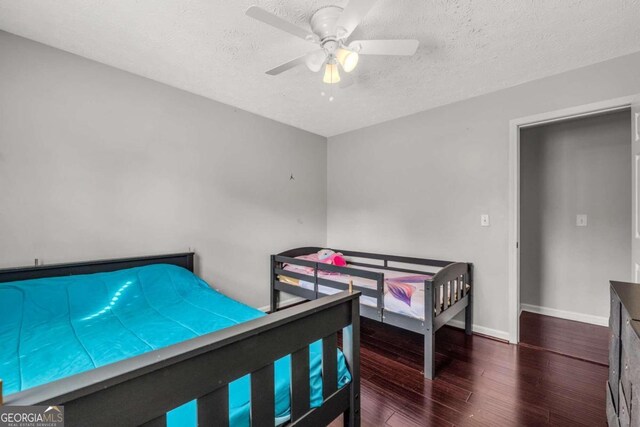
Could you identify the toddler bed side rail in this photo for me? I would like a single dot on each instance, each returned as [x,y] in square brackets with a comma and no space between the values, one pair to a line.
[142,389]
[277,270]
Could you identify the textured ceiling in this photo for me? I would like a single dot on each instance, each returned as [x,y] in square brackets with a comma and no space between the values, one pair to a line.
[209,47]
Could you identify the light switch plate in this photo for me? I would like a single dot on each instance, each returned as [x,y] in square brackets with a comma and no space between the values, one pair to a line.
[581,220]
[484,220]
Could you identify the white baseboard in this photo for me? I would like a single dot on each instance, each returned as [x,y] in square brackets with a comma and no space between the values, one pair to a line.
[568,315]
[283,304]
[501,335]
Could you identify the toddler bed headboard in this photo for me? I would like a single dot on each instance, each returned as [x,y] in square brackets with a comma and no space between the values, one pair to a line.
[184,260]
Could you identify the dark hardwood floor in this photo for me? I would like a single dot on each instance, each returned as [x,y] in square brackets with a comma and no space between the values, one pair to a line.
[479,382]
[575,339]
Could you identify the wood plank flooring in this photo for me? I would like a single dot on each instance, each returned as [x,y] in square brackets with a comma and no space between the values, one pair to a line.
[575,339]
[479,382]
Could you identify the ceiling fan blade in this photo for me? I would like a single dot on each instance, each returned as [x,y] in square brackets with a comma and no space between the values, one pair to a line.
[385,47]
[352,15]
[287,66]
[275,21]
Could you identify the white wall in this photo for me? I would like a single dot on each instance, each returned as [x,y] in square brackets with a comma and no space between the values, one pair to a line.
[569,168]
[98,163]
[417,185]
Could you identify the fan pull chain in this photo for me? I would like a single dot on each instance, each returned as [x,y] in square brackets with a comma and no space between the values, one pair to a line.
[331,98]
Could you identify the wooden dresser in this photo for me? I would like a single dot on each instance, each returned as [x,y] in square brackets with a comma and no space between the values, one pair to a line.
[623,387]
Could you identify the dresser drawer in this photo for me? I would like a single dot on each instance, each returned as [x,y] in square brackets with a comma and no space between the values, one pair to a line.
[625,371]
[614,314]
[623,413]
[626,331]
[631,352]
[634,403]
[614,367]
[612,416]
[631,373]
[634,409]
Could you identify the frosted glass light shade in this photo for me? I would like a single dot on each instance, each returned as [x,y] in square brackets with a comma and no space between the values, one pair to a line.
[348,59]
[331,74]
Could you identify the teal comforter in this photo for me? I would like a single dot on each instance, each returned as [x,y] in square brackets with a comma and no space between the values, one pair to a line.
[55,327]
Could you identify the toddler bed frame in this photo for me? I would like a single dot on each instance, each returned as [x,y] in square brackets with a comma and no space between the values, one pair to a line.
[454,279]
[142,389]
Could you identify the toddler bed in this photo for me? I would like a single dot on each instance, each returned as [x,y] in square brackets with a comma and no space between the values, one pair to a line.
[60,332]
[395,290]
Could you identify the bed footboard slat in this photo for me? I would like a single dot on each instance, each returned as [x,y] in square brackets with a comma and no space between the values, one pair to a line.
[300,392]
[329,365]
[351,350]
[450,298]
[213,408]
[262,397]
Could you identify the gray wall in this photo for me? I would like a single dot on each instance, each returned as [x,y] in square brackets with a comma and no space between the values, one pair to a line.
[417,185]
[576,167]
[98,163]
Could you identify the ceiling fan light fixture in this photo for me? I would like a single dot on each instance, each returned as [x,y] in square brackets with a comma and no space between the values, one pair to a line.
[331,28]
[348,59]
[315,60]
[331,74]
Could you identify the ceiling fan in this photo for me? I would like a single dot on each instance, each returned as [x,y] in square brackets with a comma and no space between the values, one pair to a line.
[331,27]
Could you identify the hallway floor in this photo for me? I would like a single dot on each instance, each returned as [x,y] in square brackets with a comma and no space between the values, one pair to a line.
[576,339]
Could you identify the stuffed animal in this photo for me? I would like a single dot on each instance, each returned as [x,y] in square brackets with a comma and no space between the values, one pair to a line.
[328,256]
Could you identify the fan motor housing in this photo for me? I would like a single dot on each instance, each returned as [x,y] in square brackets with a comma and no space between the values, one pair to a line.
[323,22]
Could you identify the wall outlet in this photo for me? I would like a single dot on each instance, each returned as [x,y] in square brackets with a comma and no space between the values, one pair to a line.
[484,220]
[581,220]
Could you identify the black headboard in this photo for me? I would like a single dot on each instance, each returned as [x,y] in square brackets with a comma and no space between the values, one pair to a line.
[184,260]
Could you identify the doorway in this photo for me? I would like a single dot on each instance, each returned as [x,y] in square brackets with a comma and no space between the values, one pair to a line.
[599,111]
[575,223]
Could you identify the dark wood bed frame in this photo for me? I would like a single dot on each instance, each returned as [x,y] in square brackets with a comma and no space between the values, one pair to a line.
[454,278]
[142,389]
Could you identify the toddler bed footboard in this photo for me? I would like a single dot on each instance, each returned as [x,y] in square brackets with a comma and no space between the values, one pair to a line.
[447,291]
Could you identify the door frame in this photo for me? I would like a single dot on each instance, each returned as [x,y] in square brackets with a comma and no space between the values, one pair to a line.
[515,126]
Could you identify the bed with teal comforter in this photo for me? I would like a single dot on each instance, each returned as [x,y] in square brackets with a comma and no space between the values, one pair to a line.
[52,328]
